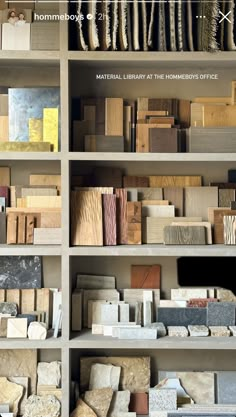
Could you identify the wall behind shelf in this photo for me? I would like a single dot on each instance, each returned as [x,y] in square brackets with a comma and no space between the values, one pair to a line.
[29,76]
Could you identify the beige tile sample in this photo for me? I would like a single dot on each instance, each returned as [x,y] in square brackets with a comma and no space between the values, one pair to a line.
[11,394]
[16,328]
[99,400]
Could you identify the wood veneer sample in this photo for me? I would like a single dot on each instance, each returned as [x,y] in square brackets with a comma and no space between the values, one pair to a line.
[4,129]
[207,225]
[226,196]
[197,114]
[150,193]
[114,118]
[155,202]
[121,195]
[175,181]
[13,296]
[175,196]
[158,211]
[218,100]
[229,223]
[134,220]
[43,179]
[21,232]
[198,199]
[163,140]
[12,228]
[219,115]
[109,219]
[212,139]
[107,177]
[86,218]
[144,114]
[184,235]
[30,229]
[219,225]
[27,301]
[5,176]
[43,201]
[184,113]
[102,143]
[142,138]
[81,128]
[153,227]
[146,276]
[132,181]
[127,127]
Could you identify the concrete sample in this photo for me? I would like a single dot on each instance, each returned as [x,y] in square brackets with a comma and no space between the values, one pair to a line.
[116,328]
[226,387]
[162,399]
[37,331]
[178,331]
[108,329]
[83,410]
[198,331]
[111,295]
[49,373]
[187,293]
[134,295]
[99,400]
[8,308]
[94,312]
[24,382]
[123,313]
[137,333]
[104,376]
[219,331]
[47,406]
[147,307]
[135,371]
[95,282]
[120,403]
[16,328]
[221,314]
[182,316]
[109,313]
[10,393]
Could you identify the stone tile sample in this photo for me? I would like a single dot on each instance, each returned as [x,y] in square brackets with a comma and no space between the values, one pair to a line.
[95,282]
[134,295]
[104,376]
[108,329]
[135,371]
[109,313]
[139,403]
[20,272]
[138,312]
[110,295]
[233,330]
[47,406]
[174,383]
[200,302]
[187,293]
[119,403]
[37,331]
[16,328]
[82,410]
[221,314]
[142,333]
[225,295]
[162,399]
[24,382]
[10,393]
[123,313]
[30,318]
[94,312]
[198,331]
[219,331]
[177,331]
[200,386]
[50,390]
[99,400]
[161,329]
[175,316]
[8,308]
[173,303]
[49,373]
[19,362]
[116,329]
[226,387]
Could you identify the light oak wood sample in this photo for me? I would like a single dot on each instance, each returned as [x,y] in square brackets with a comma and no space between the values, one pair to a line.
[114,116]
[25,147]
[5,176]
[143,114]
[229,223]
[109,219]
[102,190]
[43,202]
[30,222]
[175,181]
[218,223]
[198,199]
[184,235]
[196,114]
[153,227]
[44,303]
[13,296]
[134,220]
[219,115]
[11,229]
[121,195]
[27,300]
[148,193]
[52,179]
[214,100]
[207,225]
[155,202]
[47,236]
[86,218]
[158,211]
[127,127]
[50,219]
[27,192]
[4,129]
[226,196]
[175,196]
[21,233]
[233,97]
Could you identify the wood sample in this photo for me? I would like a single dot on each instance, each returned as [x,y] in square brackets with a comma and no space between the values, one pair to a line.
[107,177]
[43,201]
[184,113]
[142,138]
[86,218]
[229,223]
[207,225]
[25,147]
[148,193]
[27,192]
[5,176]
[21,232]
[76,320]
[226,195]
[146,276]
[175,196]
[153,227]
[99,104]
[3,97]
[212,139]
[144,114]
[175,181]
[3,228]
[102,190]
[135,181]
[11,229]
[233,95]
[28,301]
[30,222]
[4,129]
[134,220]
[49,219]
[232,175]
[109,219]
[47,236]
[114,117]
[218,223]
[45,36]
[13,296]
[38,179]
[102,143]
[155,202]
[219,115]
[184,235]
[219,100]
[121,210]
[4,192]
[127,127]
[81,128]
[163,140]
[158,211]
[198,199]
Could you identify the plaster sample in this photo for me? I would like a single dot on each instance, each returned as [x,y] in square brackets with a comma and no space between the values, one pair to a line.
[221,314]
[83,410]
[20,272]
[124,313]
[198,331]
[99,400]
[109,313]
[47,406]
[104,376]
[49,373]
[177,331]
[219,331]
[37,331]
[135,371]
[120,403]
[162,399]
[10,393]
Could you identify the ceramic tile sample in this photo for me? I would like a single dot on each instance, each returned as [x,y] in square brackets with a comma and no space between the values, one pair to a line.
[162,399]
[226,387]
[221,314]
[175,316]
[20,272]
[16,328]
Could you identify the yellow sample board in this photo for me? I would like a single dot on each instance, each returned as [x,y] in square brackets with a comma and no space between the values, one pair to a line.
[35,130]
[50,127]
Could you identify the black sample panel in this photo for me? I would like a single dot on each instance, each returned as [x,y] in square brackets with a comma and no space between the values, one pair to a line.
[20,272]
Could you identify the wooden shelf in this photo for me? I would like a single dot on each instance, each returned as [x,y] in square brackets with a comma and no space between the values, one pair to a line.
[30,156]
[50,343]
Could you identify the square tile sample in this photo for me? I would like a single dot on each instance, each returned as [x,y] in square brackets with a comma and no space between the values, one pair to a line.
[162,399]
[16,328]
[221,314]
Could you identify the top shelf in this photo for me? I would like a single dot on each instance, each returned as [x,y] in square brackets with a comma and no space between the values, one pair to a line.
[22,58]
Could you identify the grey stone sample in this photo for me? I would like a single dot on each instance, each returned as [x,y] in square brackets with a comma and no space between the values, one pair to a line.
[137,333]
[198,331]
[219,331]
[47,406]
[123,313]
[8,308]
[221,314]
[226,387]
[104,376]
[233,330]
[119,403]
[162,399]
[177,331]
[178,316]
[109,313]
[161,329]
[30,318]
[20,272]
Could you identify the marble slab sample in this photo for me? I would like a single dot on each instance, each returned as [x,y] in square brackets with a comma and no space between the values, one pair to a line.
[175,316]
[20,272]
[221,314]
[16,328]
[186,293]
[49,373]
[135,371]
[177,331]
[119,403]
[226,387]
[219,331]
[104,376]
[141,333]
[99,400]
[95,282]
[162,399]
[198,331]
[200,386]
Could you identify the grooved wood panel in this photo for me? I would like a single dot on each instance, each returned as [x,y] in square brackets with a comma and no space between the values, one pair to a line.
[155,202]
[52,179]
[43,201]
[134,220]
[207,226]
[107,177]
[11,229]
[146,276]
[3,228]
[184,235]
[109,219]
[21,233]
[226,196]
[198,199]
[158,211]
[175,181]
[28,301]
[218,223]
[212,139]
[163,140]
[47,236]
[184,113]
[135,181]
[229,230]
[121,208]
[86,218]
[153,227]
[114,117]
[102,143]
[219,115]
[30,229]
[4,128]
[175,196]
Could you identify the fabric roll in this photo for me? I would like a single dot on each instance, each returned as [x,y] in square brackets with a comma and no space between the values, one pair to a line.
[207,27]
[190,26]
[230,27]
[114,24]
[123,25]
[172,28]
[136,25]
[82,45]
[151,25]
[92,26]
[162,27]
[104,29]
[144,24]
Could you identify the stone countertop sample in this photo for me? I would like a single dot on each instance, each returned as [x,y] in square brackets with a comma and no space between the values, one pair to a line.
[83,410]
[221,314]
[8,308]
[181,316]
[20,272]
[99,400]
[10,393]
[47,406]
